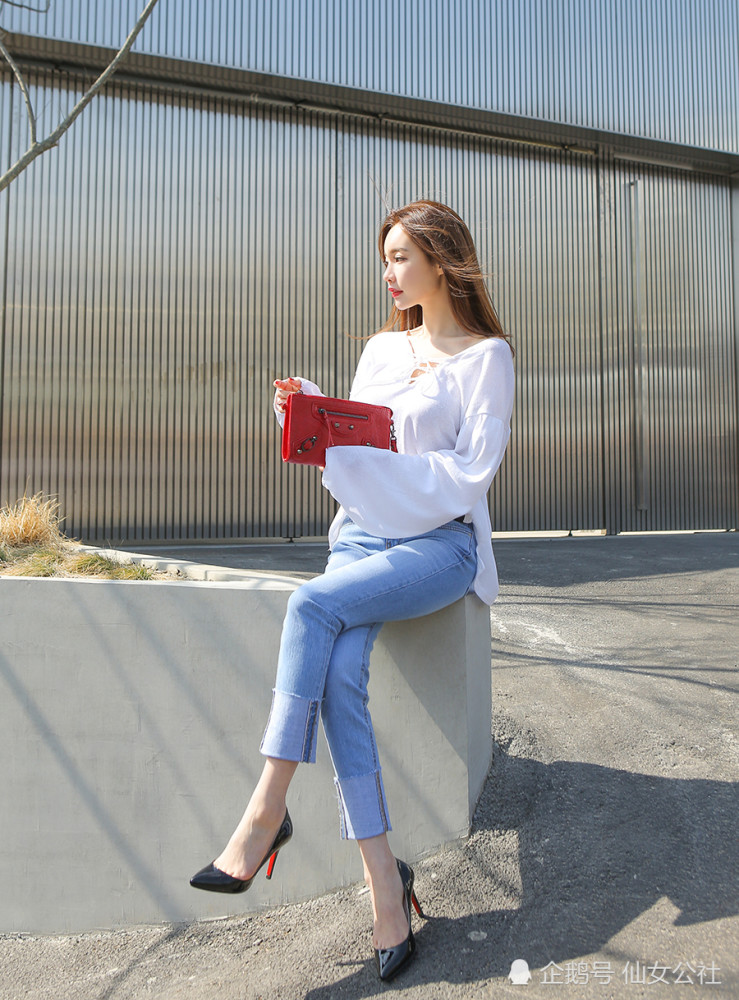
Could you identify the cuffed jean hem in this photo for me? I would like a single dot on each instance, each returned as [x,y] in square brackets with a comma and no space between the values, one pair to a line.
[362,806]
[292,728]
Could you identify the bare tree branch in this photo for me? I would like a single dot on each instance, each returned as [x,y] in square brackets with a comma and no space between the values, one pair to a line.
[24,90]
[25,6]
[37,148]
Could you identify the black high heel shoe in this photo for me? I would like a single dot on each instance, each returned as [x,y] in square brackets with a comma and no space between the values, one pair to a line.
[214,880]
[389,961]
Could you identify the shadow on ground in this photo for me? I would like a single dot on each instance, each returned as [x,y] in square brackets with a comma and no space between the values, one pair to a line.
[597,847]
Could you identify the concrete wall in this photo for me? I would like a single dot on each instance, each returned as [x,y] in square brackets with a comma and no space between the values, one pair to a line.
[130,721]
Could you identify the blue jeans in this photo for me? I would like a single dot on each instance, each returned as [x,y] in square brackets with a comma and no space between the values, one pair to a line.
[329,629]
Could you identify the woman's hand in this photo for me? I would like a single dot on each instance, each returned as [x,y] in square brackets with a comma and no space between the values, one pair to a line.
[284,388]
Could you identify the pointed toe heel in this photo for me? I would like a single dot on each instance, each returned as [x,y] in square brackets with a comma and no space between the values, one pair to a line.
[390,961]
[213,879]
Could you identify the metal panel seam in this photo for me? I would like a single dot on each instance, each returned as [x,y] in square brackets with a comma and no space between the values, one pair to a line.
[4,294]
[735,292]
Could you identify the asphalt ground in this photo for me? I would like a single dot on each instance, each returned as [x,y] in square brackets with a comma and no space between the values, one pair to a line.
[603,851]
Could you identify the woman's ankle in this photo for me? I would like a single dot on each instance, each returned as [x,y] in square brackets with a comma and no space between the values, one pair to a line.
[259,818]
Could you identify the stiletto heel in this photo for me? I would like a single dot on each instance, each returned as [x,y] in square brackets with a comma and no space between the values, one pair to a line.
[271,865]
[214,880]
[389,961]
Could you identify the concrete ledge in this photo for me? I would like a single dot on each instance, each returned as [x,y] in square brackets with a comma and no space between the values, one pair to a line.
[130,721]
[189,570]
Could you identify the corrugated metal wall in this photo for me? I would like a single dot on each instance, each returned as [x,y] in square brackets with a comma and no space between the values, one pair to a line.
[163,266]
[671,372]
[667,69]
[176,253]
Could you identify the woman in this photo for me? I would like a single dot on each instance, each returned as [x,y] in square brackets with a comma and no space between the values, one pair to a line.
[411,536]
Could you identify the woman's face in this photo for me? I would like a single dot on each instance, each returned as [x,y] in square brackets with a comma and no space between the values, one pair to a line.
[411,277]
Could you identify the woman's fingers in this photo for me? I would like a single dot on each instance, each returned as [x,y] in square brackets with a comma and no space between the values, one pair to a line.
[285,387]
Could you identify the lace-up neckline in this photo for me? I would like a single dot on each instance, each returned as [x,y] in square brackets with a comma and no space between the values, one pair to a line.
[422,365]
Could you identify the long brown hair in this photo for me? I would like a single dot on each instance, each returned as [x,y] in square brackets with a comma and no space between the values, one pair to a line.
[445,239]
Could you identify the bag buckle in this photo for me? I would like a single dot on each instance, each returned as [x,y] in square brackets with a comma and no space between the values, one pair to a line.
[307,444]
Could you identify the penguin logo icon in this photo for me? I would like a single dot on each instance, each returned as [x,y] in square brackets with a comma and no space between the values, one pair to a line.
[519,974]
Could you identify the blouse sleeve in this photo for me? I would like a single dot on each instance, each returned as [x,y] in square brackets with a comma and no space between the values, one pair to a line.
[394,495]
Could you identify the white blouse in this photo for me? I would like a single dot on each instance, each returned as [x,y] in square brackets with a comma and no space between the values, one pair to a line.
[452,421]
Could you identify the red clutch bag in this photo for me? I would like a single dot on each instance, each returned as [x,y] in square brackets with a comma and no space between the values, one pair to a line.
[315,423]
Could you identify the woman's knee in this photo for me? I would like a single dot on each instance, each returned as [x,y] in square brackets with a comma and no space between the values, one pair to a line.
[307,601]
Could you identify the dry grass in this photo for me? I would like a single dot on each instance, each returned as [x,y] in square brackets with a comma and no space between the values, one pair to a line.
[31,521]
[66,560]
[31,544]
